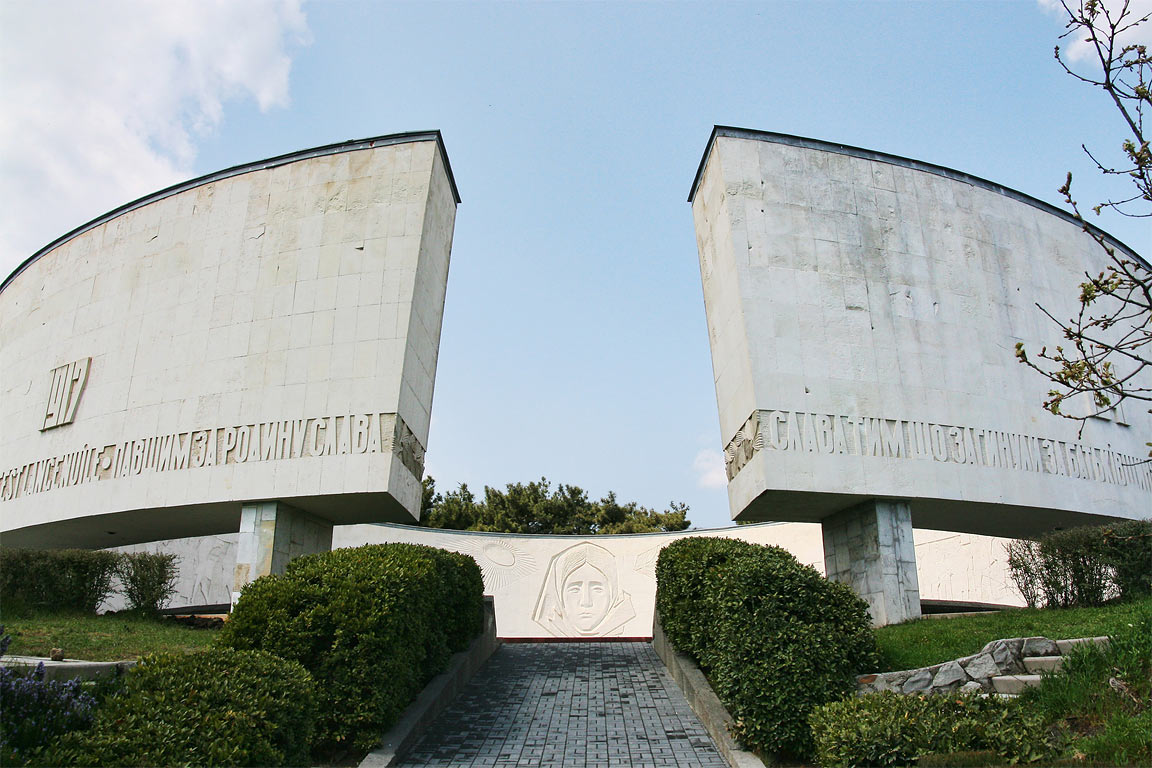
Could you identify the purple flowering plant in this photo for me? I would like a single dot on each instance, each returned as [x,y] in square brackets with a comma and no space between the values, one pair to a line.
[33,712]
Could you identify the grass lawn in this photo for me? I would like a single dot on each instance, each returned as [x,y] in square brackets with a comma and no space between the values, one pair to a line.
[922,642]
[100,638]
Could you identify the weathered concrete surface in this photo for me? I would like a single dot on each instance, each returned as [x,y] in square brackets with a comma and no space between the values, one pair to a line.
[870,548]
[863,311]
[265,333]
[270,535]
[68,670]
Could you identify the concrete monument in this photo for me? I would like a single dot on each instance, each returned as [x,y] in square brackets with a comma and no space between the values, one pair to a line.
[863,311]
[253,351]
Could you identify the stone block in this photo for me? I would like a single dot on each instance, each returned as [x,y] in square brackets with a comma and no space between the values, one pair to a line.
[1040,664]
[1014,684]
[896,679]
[949,676]
[1039,646]
[1064,646]
[982,667]
[919,681]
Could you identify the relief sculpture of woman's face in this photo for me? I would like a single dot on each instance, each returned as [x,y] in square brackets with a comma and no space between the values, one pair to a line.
[586,597]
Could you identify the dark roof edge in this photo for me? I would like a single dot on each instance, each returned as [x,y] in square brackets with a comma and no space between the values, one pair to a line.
[906,162]
[236,170]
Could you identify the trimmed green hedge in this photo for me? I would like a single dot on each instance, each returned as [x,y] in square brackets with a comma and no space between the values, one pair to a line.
[775,638]
[55,579]
[81,579]
[373,624]
[217,707]
[890,728]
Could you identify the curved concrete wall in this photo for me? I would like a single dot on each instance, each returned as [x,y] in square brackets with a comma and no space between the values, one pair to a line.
[863,311]
[521,572]
[269,332]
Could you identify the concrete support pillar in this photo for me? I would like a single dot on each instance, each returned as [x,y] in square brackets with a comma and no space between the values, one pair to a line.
[271,534]
[870,548]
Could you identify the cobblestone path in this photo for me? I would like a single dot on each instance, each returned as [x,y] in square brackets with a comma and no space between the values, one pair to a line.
[597,705]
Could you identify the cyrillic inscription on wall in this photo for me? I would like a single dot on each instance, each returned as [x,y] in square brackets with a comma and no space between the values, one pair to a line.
[822,433]
[67,384]
[358,433]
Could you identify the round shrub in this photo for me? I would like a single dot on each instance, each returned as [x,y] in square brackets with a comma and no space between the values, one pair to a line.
[775,638]
[890,728]
[147,579]
[682,569]
[217,707]
[374,623]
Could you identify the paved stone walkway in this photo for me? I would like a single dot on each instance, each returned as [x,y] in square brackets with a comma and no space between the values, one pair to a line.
[597,705]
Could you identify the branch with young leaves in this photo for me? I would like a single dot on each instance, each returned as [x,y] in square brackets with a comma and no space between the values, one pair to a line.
[1108,355]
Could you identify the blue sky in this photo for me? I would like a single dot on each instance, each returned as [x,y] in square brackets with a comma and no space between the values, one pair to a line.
[574,343]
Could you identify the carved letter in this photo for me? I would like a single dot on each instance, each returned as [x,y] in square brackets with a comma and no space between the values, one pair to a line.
[360,434]
[893,438]
[373,433]
[824,440]
[269,432]
[229,442]
[839,443]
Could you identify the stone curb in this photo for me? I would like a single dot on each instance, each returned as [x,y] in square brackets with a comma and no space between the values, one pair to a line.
[702,699]
[85,671]
[999,658]
[437,695]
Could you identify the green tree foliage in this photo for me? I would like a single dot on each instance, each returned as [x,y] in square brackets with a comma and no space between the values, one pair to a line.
[536,507]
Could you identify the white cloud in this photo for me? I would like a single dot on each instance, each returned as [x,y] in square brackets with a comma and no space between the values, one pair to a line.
[104,102]
[1076,49]
[709,467]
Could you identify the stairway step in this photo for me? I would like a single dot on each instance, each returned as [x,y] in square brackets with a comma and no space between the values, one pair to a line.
[1015,683]
[1067,645]
[1039,664]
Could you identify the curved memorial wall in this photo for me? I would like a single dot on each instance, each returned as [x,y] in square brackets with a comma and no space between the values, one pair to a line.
[863,311]
[601,586]
[263,336]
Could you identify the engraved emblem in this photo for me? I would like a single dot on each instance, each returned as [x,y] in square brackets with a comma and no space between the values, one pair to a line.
[64,393]
[646,561]
[408,448]
[502,562]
